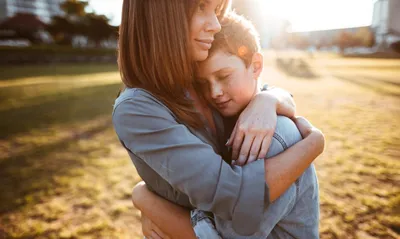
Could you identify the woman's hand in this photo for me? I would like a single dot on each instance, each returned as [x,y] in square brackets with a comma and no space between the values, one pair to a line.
[252,135]
[150,230]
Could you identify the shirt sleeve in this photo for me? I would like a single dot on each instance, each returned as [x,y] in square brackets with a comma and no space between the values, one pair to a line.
[268,87]
[149,130]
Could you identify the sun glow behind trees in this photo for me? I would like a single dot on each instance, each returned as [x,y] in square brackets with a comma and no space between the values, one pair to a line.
[309,15]
[304,15]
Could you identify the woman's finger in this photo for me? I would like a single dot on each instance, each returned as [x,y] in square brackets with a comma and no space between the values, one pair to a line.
[265,146]
[233,134]
[237,144]
[255,149]
[245,150]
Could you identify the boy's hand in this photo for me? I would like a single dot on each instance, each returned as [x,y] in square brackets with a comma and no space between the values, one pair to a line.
[304,126]
[252,135]
[150,230]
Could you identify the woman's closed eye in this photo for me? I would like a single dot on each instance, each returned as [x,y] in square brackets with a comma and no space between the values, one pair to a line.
[202,6]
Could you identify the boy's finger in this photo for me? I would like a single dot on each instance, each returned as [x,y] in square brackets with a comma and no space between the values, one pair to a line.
[159,232]
[154,235]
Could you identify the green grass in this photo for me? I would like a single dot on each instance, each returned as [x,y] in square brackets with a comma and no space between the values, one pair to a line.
[64,174]
[57,71]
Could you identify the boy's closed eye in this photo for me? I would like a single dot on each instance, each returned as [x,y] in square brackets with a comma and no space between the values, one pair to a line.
[224,77]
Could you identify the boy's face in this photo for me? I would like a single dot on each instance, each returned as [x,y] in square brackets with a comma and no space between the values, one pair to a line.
[226,82]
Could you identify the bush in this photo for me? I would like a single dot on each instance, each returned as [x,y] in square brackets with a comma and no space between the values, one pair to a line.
[396,46]
[54,54]
[56,50]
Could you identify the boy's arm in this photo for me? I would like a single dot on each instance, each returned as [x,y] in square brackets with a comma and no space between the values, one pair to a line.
[282,170]
[169,218]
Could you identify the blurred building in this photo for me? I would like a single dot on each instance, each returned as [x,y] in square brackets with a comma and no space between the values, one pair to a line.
[386,21]
[328,37]
[44,9]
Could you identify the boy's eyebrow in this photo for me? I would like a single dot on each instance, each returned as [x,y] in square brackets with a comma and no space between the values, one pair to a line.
[223,69]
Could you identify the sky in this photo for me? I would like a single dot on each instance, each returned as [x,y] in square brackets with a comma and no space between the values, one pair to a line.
[305,15]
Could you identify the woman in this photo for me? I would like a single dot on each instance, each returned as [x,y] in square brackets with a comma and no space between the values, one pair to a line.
[157,118]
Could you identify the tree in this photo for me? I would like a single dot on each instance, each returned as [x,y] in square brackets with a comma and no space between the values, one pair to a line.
[74,8]
[364,37]
[396,46]
[77,22]
[24,25]
[98,28]
[298,41]
[62,30]
[344,40]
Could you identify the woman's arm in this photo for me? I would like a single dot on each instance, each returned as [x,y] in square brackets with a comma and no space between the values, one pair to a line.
[282,170]
[285,104]
[148,130]
[154,139]
[171,219]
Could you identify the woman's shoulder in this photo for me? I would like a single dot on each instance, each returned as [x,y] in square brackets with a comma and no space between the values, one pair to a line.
[140,101]
[136,95]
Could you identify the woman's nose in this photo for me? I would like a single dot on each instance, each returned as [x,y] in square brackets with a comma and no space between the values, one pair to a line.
[213,24]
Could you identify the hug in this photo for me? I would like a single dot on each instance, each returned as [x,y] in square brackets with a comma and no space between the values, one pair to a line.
[219,157]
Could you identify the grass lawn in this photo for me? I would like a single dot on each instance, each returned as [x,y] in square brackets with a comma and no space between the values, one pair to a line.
[64,174]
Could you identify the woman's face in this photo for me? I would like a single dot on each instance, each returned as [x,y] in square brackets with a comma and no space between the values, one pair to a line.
[204,25]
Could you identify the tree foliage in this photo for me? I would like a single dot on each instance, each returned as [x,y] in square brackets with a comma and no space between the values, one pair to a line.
[78,22]
[74,8]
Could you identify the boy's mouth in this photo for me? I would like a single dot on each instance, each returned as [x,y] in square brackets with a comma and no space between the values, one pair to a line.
[222,105]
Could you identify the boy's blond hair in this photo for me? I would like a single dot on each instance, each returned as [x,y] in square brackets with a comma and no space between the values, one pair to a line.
[238,36]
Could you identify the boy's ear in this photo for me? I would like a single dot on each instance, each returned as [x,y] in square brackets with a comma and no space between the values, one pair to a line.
[257,63]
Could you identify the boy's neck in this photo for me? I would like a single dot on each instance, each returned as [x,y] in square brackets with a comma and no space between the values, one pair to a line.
[256,91]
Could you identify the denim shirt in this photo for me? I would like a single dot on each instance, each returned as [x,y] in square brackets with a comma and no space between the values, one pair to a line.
[183,165]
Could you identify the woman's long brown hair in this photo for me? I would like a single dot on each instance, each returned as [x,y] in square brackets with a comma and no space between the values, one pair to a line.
[154,51]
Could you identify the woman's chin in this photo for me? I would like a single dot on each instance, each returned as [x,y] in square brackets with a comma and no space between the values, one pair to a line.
[200,55]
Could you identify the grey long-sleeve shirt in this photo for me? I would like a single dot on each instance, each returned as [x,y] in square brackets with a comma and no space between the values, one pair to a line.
[181,164]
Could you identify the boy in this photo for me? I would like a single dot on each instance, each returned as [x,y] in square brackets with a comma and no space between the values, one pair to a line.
[228,80]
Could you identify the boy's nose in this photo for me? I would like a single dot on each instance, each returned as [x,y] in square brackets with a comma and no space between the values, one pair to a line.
[216,91]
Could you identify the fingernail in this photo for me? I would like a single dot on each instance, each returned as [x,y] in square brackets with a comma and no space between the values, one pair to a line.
[227,142]
[242,159]
[251,159]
